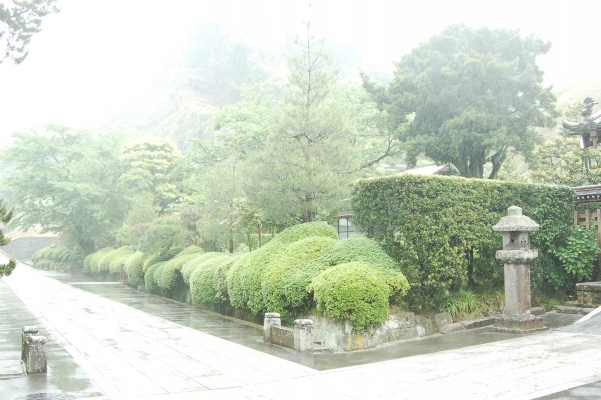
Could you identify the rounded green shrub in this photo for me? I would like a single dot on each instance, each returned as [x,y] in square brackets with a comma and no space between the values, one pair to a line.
[190,250]
[158,275]
[579,253]
[135,273]
[285,283]
[220,278]
[202,280]
[113,260]
[369,252]
[173,269]
[245,277]
[360,249]
[353,291]
[174,251]
[153,259]
[302,231]
[191,265]
[96,257]
[149,282]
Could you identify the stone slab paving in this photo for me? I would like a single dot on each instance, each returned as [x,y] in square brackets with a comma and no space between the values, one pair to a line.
[132,354]
[64,375]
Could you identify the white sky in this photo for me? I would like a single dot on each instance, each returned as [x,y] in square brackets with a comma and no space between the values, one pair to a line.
[96,56]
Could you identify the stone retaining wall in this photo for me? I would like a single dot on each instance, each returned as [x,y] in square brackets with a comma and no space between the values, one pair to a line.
[589,294]
[282,336]
[340,336]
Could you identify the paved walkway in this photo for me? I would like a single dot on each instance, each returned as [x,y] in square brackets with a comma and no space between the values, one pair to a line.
[132,354]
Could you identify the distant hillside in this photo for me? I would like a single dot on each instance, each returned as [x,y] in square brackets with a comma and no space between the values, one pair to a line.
[173,111]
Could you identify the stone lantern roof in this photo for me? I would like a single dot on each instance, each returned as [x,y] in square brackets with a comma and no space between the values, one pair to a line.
[515,221]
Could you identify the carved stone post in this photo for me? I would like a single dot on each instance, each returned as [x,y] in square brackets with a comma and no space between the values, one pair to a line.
[303,335]
[271,319]
[35,355]
[27,332]
[517,257]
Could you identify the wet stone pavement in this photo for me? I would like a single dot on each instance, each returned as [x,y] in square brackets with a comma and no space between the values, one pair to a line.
[64,377]
[251,335]
[475,364]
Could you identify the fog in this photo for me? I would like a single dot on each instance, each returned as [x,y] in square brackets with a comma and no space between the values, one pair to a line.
[95,57]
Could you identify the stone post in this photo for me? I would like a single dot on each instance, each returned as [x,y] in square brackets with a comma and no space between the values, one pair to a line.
[35,355]
[517,257]
[27,332]
[303,335]
[271,319]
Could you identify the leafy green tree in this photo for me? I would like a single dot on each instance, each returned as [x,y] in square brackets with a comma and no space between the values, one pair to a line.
[151,169]
[19,24]
[68,181]
[5,217]
[468,96]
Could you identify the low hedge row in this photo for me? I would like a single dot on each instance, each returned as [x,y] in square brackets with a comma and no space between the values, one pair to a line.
[284,276]
[57,258]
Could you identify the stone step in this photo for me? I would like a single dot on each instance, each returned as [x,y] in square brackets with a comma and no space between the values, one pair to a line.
[319,349]
[573,310]
[478,323]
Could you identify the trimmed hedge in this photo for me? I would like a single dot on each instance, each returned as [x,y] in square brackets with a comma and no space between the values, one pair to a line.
[284,285]
[112,261]
[220,278]
[149,280]
[370,253]
[246,276]
[191,265]
[93,260]
[302,231]
[57,258]
[135,273]
[173,270]
[353,291]
[158,276]
[202,280]
[439,229]
[190,250]
[153,259]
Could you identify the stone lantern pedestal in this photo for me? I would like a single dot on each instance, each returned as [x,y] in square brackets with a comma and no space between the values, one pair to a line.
[517,257]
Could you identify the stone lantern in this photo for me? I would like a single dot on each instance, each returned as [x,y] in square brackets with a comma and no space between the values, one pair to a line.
[517,257]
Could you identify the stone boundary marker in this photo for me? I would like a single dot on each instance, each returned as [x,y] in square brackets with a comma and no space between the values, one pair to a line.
[33,351]
[300,338]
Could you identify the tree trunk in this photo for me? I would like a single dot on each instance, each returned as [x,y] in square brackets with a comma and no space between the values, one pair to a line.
[469,254]
[497,160]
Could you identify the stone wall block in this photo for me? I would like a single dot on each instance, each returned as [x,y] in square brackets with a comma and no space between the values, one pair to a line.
[441,320]
[424,326]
